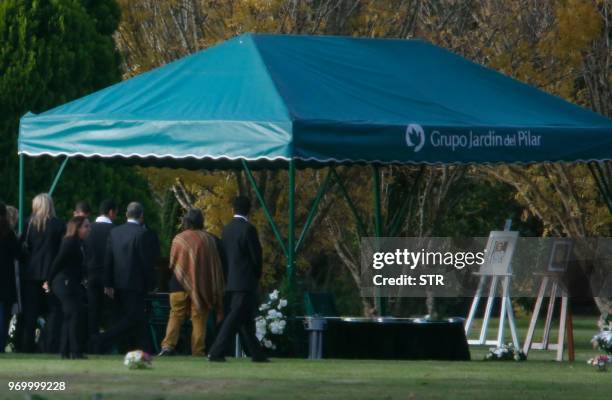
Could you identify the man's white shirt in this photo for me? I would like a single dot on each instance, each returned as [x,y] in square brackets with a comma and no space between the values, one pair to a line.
[104,219]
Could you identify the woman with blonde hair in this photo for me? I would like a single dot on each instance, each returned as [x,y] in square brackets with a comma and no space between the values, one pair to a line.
[40,240]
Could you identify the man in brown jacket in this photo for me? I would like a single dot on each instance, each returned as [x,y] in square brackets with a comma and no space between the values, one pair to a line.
[196,286]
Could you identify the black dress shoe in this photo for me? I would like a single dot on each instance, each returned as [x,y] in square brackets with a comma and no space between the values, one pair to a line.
[65,356]
[78,356]
[216,359]
[261,360]
[167,352]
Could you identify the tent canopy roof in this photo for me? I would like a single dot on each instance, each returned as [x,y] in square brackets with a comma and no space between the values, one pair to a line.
[319,99]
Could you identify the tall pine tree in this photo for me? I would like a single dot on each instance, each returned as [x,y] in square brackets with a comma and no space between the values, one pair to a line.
[51,52]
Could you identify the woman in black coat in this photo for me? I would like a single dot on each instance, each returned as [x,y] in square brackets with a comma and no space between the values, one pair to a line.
[9,249]
[42,237]
[65,281]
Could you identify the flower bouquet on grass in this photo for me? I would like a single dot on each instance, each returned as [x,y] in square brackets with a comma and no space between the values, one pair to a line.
[506,352]
[271,322]
[602,341]
[600,362]
[137,359]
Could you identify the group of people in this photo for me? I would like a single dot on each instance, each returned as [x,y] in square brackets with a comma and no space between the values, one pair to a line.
[72,272]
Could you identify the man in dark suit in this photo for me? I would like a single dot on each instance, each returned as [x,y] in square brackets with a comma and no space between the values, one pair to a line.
[128,276]
[244,266]
[95,253]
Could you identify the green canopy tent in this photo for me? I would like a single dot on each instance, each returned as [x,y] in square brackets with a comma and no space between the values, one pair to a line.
[279,101]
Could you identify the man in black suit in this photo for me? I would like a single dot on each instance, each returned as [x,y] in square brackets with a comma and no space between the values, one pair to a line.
[128,276]
[95,253]
[244,266]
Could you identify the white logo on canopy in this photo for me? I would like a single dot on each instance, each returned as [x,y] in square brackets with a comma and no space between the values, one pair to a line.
[415,137]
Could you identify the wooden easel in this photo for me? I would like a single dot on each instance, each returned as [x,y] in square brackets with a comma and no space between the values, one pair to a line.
[505,309]
[565,319]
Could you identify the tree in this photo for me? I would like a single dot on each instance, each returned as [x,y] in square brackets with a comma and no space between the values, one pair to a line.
[51,52]
[568,55]
[560,46]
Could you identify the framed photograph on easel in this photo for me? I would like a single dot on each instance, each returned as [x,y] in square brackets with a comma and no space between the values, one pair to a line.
[499,251]
[496,273]
[552,282]
[560,255]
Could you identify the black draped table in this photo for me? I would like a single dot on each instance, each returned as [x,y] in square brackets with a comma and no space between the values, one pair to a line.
[394,338]
[347,337]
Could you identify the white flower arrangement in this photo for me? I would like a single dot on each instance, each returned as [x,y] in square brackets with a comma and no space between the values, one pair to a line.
[12,332]
[505,352]
[137,359]
[603,341]
[271,321]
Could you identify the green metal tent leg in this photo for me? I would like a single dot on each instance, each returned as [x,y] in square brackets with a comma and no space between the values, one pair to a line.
[58,176]
[21,191]
[380,301]
[262,202]
[313,209]
[291,227]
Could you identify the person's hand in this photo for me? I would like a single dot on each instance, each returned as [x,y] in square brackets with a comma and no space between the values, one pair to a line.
[110,292]
[45,286]
[219,316]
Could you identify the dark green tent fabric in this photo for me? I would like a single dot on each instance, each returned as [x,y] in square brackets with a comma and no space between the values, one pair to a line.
[321,99]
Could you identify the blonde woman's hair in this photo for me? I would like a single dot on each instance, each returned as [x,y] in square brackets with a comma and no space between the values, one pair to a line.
[42,211]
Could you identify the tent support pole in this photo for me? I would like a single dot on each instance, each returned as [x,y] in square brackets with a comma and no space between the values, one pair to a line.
[58,176]
[21,191]
[262,202]
[313,209]
[379,300]
[291,227]
[361,228]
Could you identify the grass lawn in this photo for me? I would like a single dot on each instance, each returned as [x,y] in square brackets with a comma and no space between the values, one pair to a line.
[186,377]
